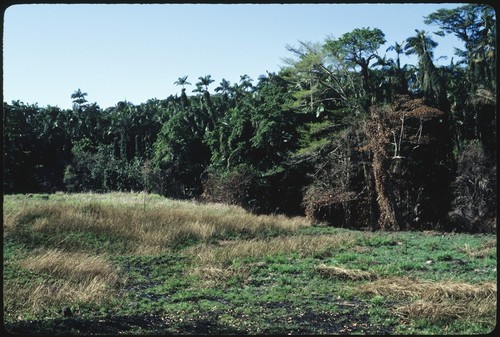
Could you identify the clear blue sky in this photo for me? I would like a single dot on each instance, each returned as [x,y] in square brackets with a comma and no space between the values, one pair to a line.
[135,52]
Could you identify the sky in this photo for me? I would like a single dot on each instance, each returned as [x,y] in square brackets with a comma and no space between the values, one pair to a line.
[136,52]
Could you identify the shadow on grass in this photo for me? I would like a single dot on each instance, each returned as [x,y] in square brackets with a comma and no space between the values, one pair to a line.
[136,324]
[349,317]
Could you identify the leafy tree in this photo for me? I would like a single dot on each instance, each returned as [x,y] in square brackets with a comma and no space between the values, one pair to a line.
[358,48]
[180,153]
[274,122]
[147,121]
[19,140]
[121,124]
[307,75]
[475,25]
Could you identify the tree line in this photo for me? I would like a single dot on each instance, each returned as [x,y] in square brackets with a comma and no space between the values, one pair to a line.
[340,134]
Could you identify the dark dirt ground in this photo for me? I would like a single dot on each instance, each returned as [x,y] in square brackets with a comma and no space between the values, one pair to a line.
[351,318]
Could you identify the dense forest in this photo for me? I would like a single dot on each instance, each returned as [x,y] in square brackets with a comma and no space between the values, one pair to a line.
[341,134]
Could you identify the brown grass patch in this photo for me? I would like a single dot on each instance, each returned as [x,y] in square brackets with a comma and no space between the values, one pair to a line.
[478,310]
[150,231]
[344,273]
[75,266]
[402,287]
[442,300]
[305,245]
[75,278]
[36,298]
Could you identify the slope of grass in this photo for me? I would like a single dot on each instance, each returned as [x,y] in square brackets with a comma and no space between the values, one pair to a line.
[142,264]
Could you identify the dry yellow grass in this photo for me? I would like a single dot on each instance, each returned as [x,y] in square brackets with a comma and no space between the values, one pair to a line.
[477,310]
[403,287]
[344,273]
[305,245]
[73,266]
[75,278]
[150,231]
[438,300]
[35,298]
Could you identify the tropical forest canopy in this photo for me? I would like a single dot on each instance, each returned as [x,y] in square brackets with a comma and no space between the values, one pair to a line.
[341,134]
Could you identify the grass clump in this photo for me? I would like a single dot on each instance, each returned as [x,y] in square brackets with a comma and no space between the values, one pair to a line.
[437,301]
[46,299]
[344,273]
[48,280]
[78,266]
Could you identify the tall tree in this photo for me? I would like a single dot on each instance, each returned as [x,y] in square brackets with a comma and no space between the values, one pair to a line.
[475,25]
[205,81]
[358,48]
[431,82]
[78,98]
[182,81]
[400,83]
[224,87]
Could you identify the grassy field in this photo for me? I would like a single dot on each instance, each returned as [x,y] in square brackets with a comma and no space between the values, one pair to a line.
[142,264]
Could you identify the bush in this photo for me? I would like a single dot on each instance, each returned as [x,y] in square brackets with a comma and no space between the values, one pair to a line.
[97,169]
[474,190]
[234,187]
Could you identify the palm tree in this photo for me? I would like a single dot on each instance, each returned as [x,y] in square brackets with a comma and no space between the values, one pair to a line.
[430,82]
[420,44]
[224,87]
[205,80]
[245,82]
[79,97]
[399,49]
[182,81]
[78,100]
[226,90]
[401,85]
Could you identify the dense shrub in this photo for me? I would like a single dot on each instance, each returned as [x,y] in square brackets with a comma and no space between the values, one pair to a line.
[474,190]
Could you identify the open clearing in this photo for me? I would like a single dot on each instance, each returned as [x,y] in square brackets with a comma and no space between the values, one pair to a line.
[142,264]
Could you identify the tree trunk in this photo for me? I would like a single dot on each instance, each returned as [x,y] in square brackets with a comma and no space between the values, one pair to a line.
[378,136]
[390,215]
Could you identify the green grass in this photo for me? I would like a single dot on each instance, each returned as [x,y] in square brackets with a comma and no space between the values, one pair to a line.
[231,272]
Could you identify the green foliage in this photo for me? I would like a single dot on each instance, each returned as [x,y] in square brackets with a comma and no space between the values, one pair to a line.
[357,49]
[357,46]
[474,88]
[180,151]
[301,132]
